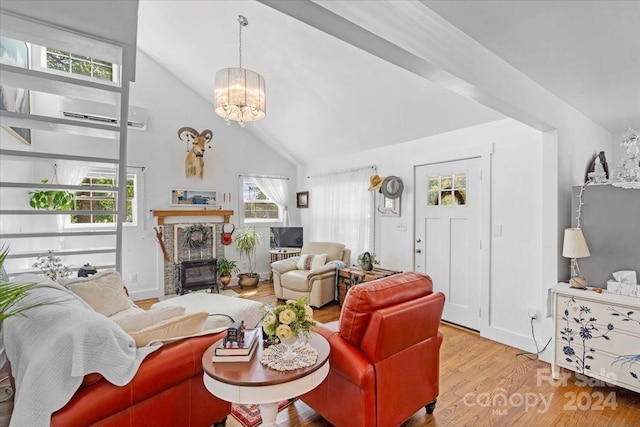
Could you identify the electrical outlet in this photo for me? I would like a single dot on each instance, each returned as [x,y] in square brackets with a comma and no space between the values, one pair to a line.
[533,313]
[134,278]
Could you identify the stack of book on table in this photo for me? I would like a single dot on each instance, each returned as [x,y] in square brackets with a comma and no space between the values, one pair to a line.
[237,352]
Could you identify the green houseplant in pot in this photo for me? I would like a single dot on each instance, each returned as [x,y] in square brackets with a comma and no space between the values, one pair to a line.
[247,242]
[226,268]
[12,293]
[367,260]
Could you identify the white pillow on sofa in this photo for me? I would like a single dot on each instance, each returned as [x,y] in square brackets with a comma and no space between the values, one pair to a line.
[103,291]
[142,320]
[311,261]
[176,327]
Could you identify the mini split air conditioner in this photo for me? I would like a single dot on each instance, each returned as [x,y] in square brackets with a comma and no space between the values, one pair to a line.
[105,113]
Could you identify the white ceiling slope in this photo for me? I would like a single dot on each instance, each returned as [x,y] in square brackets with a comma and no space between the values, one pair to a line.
[587,53]
[325,96]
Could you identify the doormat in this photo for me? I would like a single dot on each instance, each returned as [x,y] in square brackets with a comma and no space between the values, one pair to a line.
[249,415]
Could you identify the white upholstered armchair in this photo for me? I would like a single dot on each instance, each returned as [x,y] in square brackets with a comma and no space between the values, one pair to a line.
[314,275]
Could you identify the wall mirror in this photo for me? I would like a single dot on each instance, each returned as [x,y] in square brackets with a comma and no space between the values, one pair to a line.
[389,207]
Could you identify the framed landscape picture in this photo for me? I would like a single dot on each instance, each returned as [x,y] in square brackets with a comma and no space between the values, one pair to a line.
[15,53]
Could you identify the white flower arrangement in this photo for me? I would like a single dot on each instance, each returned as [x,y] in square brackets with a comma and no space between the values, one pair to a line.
[290,320]
[51,266]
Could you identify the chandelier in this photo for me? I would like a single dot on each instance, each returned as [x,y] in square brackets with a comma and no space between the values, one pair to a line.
[240,93]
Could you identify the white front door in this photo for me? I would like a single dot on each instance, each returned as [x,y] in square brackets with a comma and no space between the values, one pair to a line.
[447,239]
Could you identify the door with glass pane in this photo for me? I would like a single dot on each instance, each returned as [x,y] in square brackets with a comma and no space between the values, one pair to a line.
[447,239]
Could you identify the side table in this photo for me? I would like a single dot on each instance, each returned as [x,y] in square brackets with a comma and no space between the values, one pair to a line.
[253,383]
[352,276]
[280,254]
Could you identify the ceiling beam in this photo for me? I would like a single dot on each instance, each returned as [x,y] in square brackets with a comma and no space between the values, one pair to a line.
[327,21]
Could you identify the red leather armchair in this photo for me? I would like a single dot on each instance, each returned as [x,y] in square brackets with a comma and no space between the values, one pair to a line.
[385,352]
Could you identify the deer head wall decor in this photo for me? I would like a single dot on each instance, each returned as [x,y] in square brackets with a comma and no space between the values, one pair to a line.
[194,163]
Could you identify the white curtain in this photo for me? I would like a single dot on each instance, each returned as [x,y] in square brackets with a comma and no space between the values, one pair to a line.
[277,190]
[70,172]
[342,210]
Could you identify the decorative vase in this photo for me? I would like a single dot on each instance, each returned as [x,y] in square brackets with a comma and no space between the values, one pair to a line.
[290,346]
[367,263]
[224,280]
[248,280]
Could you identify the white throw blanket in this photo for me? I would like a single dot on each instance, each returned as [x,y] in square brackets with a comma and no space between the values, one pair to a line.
[54,346]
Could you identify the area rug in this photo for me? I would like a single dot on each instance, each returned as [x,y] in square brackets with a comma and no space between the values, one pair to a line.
[249,415]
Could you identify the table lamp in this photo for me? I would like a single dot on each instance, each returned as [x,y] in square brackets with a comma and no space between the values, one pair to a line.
[575,247]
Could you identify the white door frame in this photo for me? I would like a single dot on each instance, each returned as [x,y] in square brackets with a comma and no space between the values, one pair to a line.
[483,152]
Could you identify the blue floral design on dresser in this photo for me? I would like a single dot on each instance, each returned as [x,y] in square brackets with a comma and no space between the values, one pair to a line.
[586,330]
[630,359]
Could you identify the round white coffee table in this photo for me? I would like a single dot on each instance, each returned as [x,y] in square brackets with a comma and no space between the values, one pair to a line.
[253,383]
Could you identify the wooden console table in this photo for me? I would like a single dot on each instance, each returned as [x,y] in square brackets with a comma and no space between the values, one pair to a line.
[280,254]
[352,276]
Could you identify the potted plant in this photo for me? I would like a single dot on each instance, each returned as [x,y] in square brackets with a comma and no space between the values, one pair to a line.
[12,293]
[51,266]
[226,268]
[246,243]
[366,261]
[52,200]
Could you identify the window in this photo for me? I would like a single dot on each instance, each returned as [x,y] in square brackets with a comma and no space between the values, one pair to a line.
[68,62]
[104,200]
[257,206]
[447,190]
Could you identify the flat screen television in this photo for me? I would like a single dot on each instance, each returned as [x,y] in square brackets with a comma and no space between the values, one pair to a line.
[286,237]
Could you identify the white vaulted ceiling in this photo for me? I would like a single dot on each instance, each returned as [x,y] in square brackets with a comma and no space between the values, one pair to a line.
[325,96]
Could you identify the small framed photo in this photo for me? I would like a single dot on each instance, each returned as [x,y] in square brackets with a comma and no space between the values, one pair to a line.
[303,199]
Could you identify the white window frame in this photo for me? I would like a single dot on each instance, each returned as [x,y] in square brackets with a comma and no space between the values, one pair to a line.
[136,207]
[39,63]
[265,221]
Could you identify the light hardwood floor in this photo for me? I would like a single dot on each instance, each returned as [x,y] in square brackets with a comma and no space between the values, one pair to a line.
[474,374]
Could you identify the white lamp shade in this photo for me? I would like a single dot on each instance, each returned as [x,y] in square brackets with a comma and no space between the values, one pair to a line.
[575,246]
[240,95]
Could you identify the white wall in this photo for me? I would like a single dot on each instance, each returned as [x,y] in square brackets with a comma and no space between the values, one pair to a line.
[172,105]
[516,205]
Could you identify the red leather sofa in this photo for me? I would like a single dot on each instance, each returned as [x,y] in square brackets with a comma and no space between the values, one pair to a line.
[385,352]
[167,390]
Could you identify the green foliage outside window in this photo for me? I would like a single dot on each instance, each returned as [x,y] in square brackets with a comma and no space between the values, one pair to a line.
[257,205]
[447,190]
[78,64]
[101,201]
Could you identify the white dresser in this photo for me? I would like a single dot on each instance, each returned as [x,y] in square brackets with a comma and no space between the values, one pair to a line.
[598,335]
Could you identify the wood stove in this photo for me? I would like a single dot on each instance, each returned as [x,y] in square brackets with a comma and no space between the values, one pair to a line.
[198,274]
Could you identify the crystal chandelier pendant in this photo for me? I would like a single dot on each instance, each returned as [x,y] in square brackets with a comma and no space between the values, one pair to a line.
[240,94]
